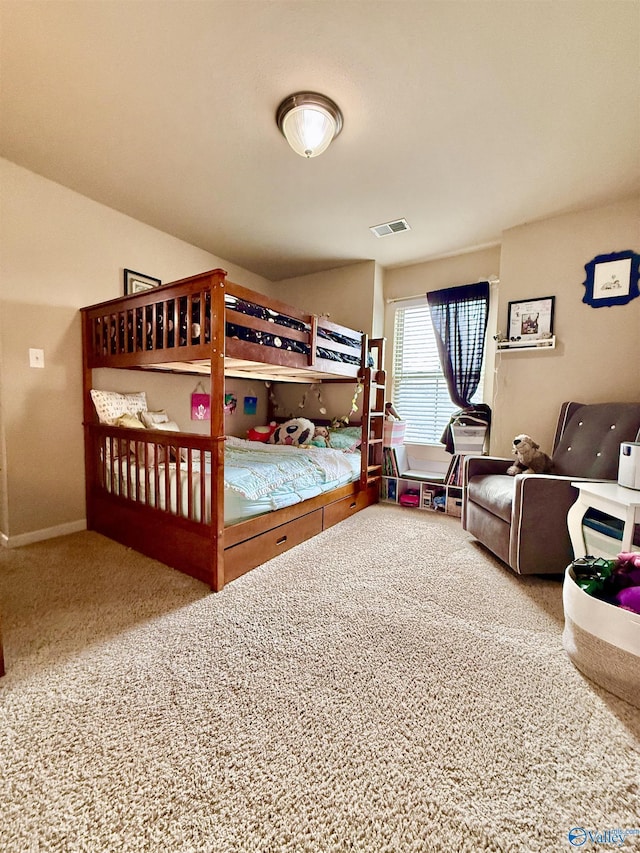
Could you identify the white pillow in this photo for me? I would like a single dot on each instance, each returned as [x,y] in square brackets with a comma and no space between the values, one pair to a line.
[172,426]
[110,405]
[152,419]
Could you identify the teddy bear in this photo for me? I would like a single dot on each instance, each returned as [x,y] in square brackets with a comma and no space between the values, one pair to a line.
[529,458]
[295,432]
[321,437]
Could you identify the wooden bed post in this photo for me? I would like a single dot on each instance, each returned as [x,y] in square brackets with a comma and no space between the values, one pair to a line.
[88,415]
[217,429]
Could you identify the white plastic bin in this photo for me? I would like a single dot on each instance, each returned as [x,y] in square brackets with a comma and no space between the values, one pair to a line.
[468,438]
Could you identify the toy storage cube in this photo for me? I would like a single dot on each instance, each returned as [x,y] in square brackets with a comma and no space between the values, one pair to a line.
[454,504]
[602,641]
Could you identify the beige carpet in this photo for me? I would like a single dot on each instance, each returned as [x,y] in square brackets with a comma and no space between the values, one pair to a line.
[385,687]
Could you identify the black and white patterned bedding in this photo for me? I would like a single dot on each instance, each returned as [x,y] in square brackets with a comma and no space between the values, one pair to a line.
[193,332]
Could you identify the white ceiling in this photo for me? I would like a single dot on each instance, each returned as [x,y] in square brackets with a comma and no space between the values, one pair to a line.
[467,118]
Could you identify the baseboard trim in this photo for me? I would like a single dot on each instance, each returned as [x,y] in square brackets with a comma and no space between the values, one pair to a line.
[45,533]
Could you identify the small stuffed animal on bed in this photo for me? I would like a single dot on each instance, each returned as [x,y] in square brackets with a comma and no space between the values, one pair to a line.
[529,458]
[295,432]
[321,437]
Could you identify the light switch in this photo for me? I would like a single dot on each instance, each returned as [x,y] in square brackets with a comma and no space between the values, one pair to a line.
[36,358]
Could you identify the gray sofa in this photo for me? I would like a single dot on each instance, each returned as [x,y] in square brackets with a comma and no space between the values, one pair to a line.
[523,519]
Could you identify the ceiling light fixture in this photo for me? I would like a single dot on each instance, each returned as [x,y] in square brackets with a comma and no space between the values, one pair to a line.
[309,122]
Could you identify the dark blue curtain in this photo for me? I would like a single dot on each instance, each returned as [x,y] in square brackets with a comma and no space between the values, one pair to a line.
[459,316]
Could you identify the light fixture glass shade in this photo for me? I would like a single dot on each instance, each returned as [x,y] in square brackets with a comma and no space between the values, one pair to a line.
[309,122]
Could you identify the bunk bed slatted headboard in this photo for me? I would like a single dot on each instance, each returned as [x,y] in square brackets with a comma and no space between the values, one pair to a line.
[171,327]
[168,323]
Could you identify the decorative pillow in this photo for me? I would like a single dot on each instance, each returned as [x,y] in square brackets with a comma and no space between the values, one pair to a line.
[152,451]
[158,451]
[347,439]
[172,426]
[110,405]
[152,419]
[295,432]
[129,421]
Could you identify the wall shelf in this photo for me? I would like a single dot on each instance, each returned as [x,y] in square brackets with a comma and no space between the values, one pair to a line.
[541,344]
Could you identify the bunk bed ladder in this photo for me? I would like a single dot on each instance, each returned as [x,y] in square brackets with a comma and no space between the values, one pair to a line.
[373,378]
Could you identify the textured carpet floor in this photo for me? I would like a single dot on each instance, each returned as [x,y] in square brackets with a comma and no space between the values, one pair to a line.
[384,687]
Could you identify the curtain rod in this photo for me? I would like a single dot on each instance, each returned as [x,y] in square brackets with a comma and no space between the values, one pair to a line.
[493,281]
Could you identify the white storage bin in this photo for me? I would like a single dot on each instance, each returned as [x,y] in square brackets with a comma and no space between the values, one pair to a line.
[468,439]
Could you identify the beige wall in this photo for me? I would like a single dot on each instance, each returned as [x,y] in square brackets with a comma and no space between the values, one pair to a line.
[465,268]
[597,355]
[172,392]
[415,281]
[351,296]
[61,251]
[347,295]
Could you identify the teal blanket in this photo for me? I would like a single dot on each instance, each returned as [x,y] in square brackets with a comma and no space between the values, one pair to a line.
[255,470]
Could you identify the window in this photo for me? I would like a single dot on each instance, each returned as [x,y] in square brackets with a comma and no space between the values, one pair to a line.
[420,392]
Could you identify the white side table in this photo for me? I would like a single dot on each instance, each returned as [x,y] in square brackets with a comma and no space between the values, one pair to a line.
[610,498]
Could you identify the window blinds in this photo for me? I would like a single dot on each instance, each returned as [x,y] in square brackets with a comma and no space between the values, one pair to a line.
[420,392]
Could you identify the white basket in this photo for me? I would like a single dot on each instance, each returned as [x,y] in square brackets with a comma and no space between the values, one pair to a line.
[602,640]
[468,439]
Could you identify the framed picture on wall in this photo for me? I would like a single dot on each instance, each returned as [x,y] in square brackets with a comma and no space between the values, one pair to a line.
[611,279]
[135,282]
[531,319]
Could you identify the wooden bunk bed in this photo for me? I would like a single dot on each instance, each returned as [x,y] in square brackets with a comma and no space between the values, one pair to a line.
[207,325]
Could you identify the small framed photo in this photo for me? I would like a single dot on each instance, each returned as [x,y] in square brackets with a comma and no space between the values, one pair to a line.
[531,319]
[136,282]
[611,279]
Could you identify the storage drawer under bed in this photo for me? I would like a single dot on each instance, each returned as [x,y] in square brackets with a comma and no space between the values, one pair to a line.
[240,558]
[339,510]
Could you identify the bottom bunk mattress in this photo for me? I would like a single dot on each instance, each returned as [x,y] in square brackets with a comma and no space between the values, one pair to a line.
[258,478]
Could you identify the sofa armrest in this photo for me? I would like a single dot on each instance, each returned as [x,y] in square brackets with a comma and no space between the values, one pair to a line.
[540,539]
[477,465]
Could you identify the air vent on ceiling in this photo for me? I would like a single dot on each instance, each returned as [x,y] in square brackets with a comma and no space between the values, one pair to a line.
[388,228]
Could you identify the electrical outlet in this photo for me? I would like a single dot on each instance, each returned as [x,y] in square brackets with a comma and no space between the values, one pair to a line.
[36,358]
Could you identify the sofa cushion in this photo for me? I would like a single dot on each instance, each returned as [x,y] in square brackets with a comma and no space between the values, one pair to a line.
[590,443]
[493,492]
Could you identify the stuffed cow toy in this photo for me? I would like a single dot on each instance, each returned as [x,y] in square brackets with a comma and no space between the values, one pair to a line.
[295,432]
